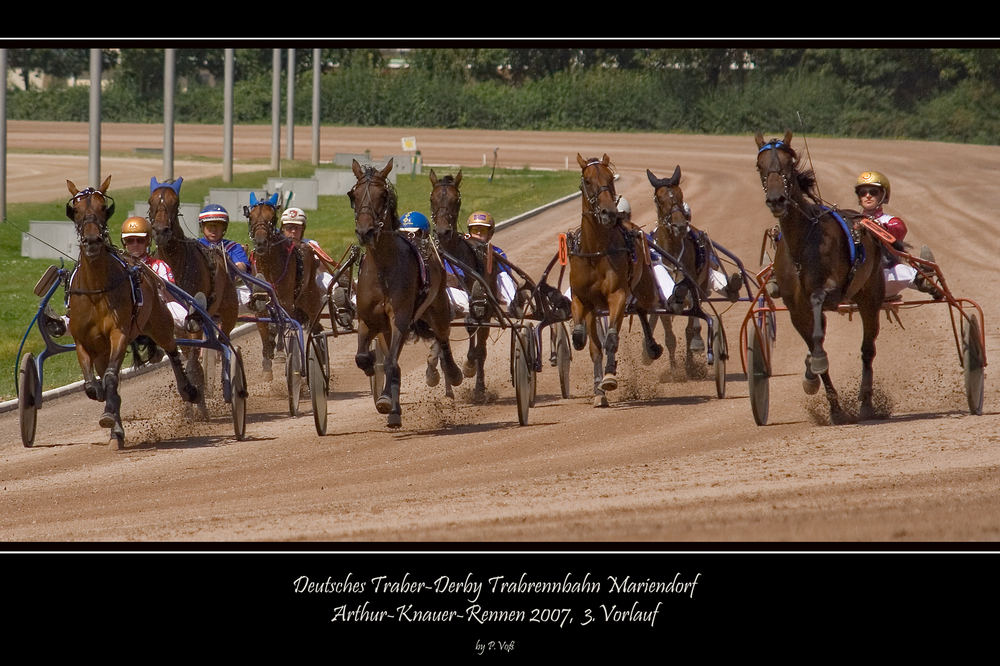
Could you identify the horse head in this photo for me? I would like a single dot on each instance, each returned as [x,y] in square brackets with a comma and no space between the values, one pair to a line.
[374,202]
[90,210]
[597,183]
[672,216]
[776,165]
[164,206]
[262,219]
[446,201]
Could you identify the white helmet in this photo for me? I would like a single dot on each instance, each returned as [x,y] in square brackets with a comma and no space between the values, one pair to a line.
[623,206]
[293,216]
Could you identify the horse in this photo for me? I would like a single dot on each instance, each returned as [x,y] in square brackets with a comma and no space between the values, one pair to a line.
[675,234]
[821,262]
[197,270]
[608,266]
[283,263]
[446,201]
[399,290]
[113,300]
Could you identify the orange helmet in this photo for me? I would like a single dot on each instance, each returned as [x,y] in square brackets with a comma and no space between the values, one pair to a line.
[481,219]
[136,226]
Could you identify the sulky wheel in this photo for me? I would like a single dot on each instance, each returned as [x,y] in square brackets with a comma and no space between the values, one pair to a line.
[757,376]
[318,383]
[27,398]
[972,362]
[378,377]
[521,375]
[719,355]
[563,358]
[533,352]
[238,393]
[293,370]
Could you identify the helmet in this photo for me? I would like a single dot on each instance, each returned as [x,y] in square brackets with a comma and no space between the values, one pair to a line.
[623,206]
[214,213]
[481,219]
[876,179]
[415,221]
[136,226]
[293,216]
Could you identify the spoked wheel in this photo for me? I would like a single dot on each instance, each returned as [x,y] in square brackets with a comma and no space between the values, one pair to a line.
[563,358]
[293,370]
[521,372]
[318,380]
[378,378]
[238,393]
[757,376]
[27,398]
[533,347]
[972,361]
[719,355]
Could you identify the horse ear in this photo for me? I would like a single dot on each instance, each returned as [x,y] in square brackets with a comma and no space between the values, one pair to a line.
[153,185]
[606,160]
[176,185]
[273,201]
[387,169]
[253,199]
[458,177]
[676,178]
[72,188]
[652,178]
[579,160]
[358,171]
[106,184]
[788,137]
[433,177]
[759,138]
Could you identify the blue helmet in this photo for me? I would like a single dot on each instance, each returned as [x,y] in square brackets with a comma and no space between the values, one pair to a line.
[415,221]
[213,213]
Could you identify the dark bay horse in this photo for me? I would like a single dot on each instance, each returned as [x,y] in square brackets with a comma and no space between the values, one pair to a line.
[197,269]
[399,291]
[821,262]
[608,266]
[112,301]
[675,234]
[446,202]
[289,269]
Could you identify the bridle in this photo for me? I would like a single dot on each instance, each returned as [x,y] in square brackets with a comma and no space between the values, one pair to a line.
[379,216]
[592,198]
[665,219]
[775,167]
[445,213]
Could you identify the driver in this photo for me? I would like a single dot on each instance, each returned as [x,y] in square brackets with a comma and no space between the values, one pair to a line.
[481,228]
[214,221]
[416,225]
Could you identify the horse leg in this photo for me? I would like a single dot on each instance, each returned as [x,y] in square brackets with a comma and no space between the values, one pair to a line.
[431,375]
[582,322]
[92,384]
[470,367]
[653,350]
[695,343]
[479,392]
[818,361]
[111,418]
[267,350]
[670,339]
[597,356]
[388,402]
[870,326]
[365,357]
[616,313]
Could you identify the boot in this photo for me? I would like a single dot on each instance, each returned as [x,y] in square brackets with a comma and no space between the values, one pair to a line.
[345,318]
[920,283]
[772,288]
[733,287]
[54,324]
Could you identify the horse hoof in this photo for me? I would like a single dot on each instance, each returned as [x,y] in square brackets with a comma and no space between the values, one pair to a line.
[116,443]
[394,421]
[469,368]
[696,345]
[107,420]
[609,383]
[653,352]
[384,405]
[268,376]
[810,386]
[455,377]
[432,377]
[600,401]
[579,337]
[866,413]
[478,396]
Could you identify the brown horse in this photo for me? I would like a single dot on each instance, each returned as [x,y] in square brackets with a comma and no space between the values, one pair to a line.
[399,290]
[674,234]
[821,262]
[608,265]
[113,301]
[197,269]
[290,271]
[446,201]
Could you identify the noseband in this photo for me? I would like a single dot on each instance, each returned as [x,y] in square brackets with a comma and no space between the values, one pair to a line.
[366,203]
[89,215]
[775,166]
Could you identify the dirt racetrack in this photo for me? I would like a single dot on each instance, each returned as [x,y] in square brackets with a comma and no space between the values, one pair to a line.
[667,461]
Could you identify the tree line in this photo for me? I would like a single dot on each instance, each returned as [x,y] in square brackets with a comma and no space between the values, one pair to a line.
[945,94]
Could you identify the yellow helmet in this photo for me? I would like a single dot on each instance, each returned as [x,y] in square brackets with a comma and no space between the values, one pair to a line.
[136,226]
[873,178]
[481,219]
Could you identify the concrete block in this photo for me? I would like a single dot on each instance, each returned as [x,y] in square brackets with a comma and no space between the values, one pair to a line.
[60,235]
